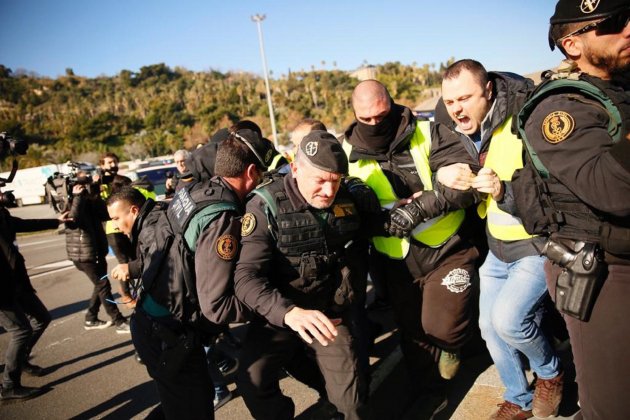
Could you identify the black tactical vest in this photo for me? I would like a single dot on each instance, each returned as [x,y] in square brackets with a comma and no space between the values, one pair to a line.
[168,278]
[565,213]
[312,244]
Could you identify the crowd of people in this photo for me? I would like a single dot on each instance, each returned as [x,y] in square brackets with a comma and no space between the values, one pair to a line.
[514,197]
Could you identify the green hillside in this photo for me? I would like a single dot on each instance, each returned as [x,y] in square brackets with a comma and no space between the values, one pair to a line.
[158,109]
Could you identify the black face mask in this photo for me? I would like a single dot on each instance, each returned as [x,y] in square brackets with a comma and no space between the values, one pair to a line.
[378,137]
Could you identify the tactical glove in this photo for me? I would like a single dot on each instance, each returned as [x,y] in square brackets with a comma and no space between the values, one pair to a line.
[404,219]
[364,197]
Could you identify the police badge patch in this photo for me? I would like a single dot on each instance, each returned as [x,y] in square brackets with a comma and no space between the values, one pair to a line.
[226,247]
[457,280]
[311,148]
[248,224]
[557,126]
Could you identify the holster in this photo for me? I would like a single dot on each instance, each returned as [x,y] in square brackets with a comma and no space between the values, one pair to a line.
[582,277]
[176,348]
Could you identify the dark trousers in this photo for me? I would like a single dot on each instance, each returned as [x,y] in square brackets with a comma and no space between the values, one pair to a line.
[25,319]
[432,310]
[186,394]
[102,290]
[600,347]
[267,349]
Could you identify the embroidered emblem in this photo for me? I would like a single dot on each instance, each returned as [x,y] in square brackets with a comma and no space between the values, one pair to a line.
[248,224]
[269,155]
[342,210]
[557,126]
[457,280]
[589,6]
[226,247]
[311,148]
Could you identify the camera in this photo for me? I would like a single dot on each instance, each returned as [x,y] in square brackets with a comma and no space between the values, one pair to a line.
[59,186]
[11,146]
[14,147]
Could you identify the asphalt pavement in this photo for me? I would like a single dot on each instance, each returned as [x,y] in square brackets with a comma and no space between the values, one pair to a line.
[93,374]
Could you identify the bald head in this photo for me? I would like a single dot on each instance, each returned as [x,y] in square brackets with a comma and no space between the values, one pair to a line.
[371,102]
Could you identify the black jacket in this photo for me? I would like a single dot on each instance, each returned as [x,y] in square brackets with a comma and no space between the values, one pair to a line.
[14,278]
[143,235]
[85,235]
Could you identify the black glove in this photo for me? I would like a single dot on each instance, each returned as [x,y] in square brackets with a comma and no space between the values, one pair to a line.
[404,219]
[363,196]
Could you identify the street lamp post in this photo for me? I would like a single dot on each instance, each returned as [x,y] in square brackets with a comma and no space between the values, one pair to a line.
[259,18]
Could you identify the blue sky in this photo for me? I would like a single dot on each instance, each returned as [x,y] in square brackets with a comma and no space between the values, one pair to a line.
[106,36]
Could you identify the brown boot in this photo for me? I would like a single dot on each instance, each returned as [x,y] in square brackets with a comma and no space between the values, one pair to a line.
[547,396]
[510,411]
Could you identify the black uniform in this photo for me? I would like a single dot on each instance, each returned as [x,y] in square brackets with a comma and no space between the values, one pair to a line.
[295,256]
[430,314]
[21,312]
[167,328]
[589,184]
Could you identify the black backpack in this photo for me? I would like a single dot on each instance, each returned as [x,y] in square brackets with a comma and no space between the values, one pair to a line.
[168,277]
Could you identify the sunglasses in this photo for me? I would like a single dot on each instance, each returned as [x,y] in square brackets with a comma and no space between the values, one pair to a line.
[251,147]
[611,25]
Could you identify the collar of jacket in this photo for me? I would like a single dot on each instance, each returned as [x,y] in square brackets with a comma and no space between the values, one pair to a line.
[293,193]
[144,210]
[405,132]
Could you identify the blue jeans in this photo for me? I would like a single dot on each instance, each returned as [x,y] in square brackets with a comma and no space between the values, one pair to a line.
[511,295]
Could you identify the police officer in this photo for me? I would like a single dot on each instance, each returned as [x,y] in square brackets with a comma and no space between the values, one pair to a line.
[428,275]
[576,125]
[296,236]
[187,293]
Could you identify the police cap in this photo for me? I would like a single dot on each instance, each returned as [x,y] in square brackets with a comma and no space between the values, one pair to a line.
[322,150]
[568,11]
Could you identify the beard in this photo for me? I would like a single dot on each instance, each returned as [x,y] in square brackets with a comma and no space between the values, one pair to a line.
[613,64]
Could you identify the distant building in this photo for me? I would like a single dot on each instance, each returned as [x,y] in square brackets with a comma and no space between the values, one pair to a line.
[367,72]
[426,108]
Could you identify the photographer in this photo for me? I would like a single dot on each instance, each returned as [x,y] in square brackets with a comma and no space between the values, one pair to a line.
[86,245]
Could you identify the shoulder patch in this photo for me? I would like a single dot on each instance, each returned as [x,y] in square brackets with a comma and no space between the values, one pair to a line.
[226,247]
[343,210]
[557,126]
[248,224]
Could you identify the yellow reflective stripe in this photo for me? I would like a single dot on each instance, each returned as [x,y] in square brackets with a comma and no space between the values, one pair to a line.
[275,160]
[505,156]
[147,193]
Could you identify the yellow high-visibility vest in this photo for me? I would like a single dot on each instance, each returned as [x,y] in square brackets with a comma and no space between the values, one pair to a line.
[505,156]
[434,232]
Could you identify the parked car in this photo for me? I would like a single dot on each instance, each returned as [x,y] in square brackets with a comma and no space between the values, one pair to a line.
[157,175]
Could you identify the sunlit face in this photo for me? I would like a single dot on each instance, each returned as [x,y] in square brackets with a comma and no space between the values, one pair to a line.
[298,134]
[371,112]
[467,101]
[123,215]
[109,165]
[180,163]
[318,187]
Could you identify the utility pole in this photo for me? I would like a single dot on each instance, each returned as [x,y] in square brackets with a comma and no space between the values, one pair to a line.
[258,19]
